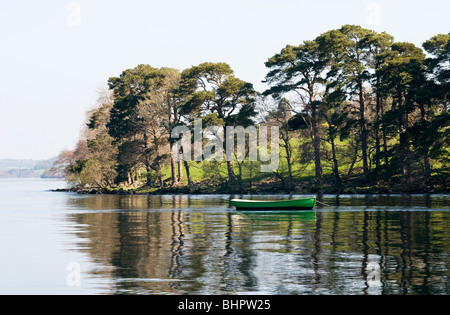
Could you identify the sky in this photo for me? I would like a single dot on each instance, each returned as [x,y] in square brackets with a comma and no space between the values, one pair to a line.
[55,54]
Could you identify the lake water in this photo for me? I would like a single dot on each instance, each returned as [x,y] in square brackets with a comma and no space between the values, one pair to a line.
[66,243]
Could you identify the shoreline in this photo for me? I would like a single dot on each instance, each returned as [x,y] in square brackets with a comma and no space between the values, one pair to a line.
[260,190]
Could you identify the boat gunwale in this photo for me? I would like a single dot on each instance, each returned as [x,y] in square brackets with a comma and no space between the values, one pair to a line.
[274,208]
[273,201]
[291,204]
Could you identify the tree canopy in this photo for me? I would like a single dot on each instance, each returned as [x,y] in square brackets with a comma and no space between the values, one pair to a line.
[359,107]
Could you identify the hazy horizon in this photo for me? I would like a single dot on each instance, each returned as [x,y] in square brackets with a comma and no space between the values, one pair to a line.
[55,54]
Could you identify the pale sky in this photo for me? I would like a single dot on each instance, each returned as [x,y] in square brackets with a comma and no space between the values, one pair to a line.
[54,54]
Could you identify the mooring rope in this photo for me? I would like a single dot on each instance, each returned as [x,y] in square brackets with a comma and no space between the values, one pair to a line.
[322,203]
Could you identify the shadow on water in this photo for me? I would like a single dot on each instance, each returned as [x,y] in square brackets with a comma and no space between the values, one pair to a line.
[199,245]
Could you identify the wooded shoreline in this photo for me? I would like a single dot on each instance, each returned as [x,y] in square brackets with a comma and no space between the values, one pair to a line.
[265,188]
[353,111]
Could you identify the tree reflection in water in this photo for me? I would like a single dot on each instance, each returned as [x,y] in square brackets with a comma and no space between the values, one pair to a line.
[199,245]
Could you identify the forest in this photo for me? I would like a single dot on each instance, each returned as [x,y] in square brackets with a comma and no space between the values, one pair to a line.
[356,111]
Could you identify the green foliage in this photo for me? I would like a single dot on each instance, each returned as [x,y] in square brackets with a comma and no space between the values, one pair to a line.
[351,104]
[210,90]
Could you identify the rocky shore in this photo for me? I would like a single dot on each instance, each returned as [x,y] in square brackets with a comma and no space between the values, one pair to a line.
[271,187]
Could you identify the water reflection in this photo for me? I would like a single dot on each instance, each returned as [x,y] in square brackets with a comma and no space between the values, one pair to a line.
[199,245]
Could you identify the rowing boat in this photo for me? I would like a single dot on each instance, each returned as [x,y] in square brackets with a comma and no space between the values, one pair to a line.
[291,204]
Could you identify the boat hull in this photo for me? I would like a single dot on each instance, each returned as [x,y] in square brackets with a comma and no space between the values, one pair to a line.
[263,205]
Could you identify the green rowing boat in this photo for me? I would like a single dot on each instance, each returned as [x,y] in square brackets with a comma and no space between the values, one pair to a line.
[292,204]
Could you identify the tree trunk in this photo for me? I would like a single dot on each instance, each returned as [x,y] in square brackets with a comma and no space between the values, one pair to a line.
[231,175]
[251,175]
[377,129]
[316,140]
[427,166]
[239,177]
[405,155]
[160,176]
[404,151]
[180,171]
[174,171]
[364,132]
[288,160]
[149,176]
[129,179]
[385,149]
[335,163]
[172,162]
[355,157]
[426,159]
[188,173]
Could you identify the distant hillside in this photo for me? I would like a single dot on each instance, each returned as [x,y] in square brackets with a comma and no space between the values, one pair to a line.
[15,168]
[9,164]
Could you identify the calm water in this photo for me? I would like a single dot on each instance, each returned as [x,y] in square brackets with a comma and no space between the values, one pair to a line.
[64,243]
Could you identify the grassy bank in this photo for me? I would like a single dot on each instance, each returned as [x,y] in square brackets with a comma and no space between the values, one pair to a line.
[210,177]
[271,184]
